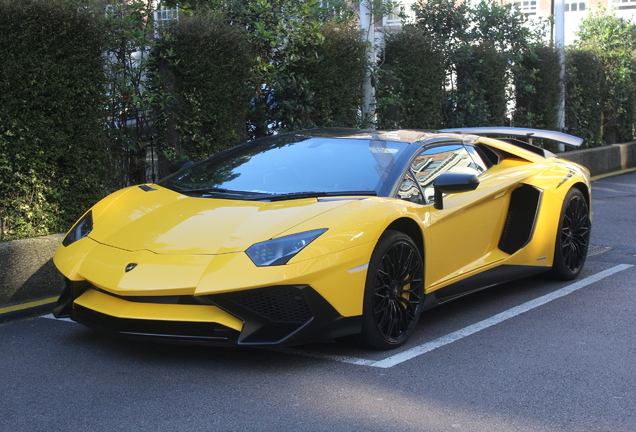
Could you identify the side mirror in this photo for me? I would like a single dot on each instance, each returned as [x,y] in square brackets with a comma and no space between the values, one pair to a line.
[178,166]
[453,183]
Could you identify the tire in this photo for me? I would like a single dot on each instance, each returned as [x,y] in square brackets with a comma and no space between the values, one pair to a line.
[573,237]
[394,292]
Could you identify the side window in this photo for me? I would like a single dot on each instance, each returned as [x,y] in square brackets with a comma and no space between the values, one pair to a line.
[417,186]
[481,164]
[410,191]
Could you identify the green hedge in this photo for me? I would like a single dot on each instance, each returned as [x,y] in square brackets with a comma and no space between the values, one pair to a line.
[537,81]
[480,95]
[206,68]
[619,98]
[51,141]
[613,41]
[411,87]
[215,82]
[204,65]
[584,96]
[335,79]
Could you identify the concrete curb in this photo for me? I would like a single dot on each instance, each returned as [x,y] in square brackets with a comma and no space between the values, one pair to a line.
[604,160]
[28,277]
[30,284]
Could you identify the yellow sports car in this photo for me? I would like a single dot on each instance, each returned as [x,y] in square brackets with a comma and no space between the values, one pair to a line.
[325,233]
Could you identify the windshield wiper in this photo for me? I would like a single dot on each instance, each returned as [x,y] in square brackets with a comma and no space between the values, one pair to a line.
[213,191]
[315,194]
[198,190]
[267,196]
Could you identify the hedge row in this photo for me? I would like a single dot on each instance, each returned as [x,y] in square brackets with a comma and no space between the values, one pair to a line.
[334,80]
[494,62]
[78,110]
[415,93]
[203,64]
[584,81]
[51,141]
[411,88]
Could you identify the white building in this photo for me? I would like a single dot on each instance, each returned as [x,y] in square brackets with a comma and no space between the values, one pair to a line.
[575,11]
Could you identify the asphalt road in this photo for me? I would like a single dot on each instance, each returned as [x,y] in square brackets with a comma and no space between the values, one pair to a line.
[534,355]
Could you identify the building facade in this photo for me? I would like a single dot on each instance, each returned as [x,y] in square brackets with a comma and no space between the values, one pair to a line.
[575,11]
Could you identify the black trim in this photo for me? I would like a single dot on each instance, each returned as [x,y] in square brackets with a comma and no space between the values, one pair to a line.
[530,147]
[72,290]
[170,299]
[489,278]
[146,188]
[488,154]
[286,315]
[567,177]
[278,315]
[165,331]
[521,219]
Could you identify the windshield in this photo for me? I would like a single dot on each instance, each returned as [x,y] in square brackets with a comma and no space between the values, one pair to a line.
[292,165]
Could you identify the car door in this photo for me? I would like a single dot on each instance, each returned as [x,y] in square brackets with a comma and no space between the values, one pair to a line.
[463,236]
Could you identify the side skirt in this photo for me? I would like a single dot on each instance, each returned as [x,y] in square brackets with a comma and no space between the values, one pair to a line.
[495,276]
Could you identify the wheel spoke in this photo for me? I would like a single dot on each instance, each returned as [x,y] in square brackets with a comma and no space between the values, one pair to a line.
[575,233]
[398,291]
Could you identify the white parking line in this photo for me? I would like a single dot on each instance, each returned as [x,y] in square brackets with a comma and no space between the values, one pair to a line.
[50,316]
[451,337]
[466,331]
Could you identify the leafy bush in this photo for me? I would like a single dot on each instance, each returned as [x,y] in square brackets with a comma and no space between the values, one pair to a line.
[537,86]
[505,27]
[479,43]
[51,140]
[204,65]
[286,37]
[584,96]
[411,88]
[480,95]
[334,80]
[613,41]
[129,32]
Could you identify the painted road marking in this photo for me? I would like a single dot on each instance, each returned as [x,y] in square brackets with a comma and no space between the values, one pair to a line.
[466,331]
[23,306]
[51,316]
[411,353]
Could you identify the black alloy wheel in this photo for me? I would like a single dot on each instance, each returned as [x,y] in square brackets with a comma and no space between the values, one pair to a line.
[394,292]
[573,237]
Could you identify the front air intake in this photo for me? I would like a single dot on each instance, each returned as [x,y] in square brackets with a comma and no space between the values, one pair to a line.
[280,304]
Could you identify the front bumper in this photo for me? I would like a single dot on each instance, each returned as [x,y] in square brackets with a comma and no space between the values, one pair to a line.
[275,315]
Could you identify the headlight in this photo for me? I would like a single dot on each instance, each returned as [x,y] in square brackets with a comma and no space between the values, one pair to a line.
[280,250]
[80,229]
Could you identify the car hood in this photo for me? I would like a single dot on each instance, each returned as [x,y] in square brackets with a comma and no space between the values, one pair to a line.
[166,222]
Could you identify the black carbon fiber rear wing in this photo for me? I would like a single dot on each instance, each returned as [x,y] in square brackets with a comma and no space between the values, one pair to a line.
[555,136]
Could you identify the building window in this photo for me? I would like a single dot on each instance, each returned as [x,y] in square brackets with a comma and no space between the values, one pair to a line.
[575,6]
[528,7]
[163,15]
[401,8]
[625,4]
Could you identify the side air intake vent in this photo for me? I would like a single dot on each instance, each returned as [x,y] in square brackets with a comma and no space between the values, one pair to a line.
[521,218]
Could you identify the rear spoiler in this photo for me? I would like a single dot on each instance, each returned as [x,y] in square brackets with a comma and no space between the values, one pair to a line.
[558,137]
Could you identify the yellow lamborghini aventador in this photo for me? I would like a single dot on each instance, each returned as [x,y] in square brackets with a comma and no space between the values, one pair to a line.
[325,233]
